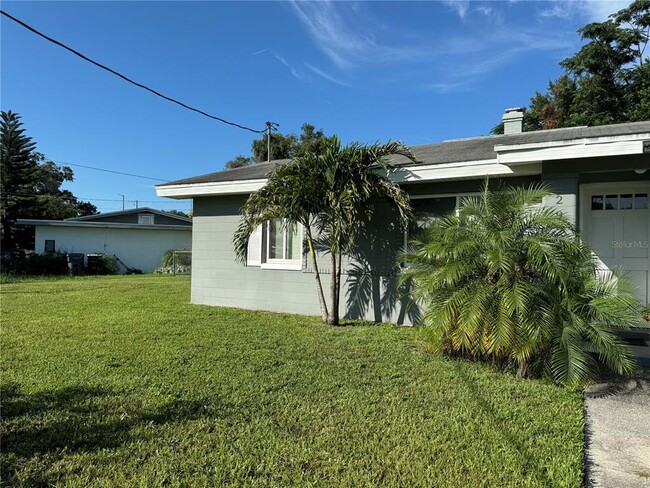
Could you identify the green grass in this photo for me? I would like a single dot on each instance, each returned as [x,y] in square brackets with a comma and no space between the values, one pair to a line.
[119,381]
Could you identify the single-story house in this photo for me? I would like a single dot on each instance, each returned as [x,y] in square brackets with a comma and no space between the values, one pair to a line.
[600,176]
[138,237]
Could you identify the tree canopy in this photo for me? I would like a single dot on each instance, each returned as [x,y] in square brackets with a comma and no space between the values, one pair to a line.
[30,185]
[606,82]
[283,146]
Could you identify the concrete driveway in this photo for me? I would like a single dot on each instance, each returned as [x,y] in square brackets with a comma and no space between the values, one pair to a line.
[618,433]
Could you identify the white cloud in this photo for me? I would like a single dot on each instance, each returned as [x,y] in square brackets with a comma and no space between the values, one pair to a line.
[346,40]
[590,10]
[448,86]
[326,75]
[559,11]
[599,10]
[352,40]
[294,72]
[484,10]
[460,6]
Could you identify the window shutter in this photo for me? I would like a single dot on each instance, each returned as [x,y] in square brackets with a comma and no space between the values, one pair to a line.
[254,256]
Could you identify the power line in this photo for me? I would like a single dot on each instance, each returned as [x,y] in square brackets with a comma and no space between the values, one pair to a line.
[108,170]
[83,199]
[125,78]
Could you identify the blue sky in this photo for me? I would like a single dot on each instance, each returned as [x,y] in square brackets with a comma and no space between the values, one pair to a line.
[418,72]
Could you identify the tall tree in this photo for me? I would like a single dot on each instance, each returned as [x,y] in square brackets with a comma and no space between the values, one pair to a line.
[30,186]
[18,167]
[283,146]
[607,81]
[330,192]
[239,162]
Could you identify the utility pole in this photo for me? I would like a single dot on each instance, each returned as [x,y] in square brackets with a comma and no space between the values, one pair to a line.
[136,204]
[270,126]
[122,201]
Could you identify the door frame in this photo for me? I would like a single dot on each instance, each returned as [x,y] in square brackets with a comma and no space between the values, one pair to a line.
[587,189]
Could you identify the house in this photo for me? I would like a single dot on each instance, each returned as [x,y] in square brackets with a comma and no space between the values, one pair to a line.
[600,176]
[139,237]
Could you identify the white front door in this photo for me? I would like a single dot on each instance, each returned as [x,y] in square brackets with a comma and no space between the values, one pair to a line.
[615,220]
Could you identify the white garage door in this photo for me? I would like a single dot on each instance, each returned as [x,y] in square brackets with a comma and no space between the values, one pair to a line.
[616,222]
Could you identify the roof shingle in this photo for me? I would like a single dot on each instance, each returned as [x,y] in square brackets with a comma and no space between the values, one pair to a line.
[471,149]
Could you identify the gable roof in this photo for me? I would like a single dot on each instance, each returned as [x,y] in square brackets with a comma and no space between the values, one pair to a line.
[101,216]
[253,172]
[452,151]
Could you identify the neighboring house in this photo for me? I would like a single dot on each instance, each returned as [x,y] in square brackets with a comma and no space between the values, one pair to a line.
[600,175]
[139,237]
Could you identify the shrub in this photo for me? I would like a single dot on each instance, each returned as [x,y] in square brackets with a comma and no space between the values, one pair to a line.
[37,264]
[509,280]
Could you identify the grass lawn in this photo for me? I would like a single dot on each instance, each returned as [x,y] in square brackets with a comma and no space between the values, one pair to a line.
[119,381]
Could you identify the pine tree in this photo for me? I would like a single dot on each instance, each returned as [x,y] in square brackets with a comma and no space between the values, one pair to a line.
[18,168]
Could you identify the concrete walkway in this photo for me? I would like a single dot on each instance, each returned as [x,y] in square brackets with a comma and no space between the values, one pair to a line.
[618,433]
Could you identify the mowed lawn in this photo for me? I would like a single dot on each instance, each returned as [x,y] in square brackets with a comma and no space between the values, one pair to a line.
[119,381]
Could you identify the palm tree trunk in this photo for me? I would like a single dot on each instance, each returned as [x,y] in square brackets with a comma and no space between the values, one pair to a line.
[333,318]
[522,369]
[338,285]
[319,284]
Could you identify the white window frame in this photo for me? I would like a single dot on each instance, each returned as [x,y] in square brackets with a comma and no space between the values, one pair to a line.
[146,219]
[286,264]
[255,240]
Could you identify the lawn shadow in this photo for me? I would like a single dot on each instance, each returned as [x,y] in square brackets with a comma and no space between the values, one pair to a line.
[75,419]
[525,455]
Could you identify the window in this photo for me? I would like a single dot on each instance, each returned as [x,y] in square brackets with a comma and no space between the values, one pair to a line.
[283,245]
[425,211]
[49,245]
[276,245]
[428,208]
[146,219]
[626,201]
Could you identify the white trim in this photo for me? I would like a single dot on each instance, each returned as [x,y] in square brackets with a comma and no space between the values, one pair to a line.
[276,263]
[213,188]
[254,256]
[572,149]
[282,264]
[457,171]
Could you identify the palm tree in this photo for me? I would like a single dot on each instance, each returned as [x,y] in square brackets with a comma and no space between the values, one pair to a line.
[508,279]
[330,193]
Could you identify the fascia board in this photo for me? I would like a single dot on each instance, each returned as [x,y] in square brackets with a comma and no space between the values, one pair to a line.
[207,189]
[458,171]
[574,149]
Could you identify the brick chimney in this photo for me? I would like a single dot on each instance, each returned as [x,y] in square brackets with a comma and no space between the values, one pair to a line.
[513,120]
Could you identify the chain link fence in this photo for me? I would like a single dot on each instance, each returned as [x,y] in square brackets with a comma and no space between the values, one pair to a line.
[176,262]
[182,263]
